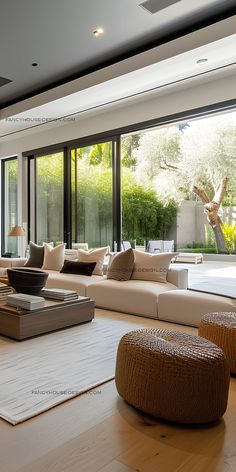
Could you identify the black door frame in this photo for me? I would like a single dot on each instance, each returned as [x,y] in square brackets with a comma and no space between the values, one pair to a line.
[3,200]
[67,206]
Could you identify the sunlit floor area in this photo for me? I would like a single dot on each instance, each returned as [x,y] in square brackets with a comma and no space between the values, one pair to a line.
[212,276]
[98,431]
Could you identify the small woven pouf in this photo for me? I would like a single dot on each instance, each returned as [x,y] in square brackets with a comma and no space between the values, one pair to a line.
[220,328]
[172,375]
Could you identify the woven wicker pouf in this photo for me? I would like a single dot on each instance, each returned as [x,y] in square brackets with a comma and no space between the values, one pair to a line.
[172,375]
[220,328]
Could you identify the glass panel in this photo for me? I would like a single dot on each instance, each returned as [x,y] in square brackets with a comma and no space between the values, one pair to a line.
[49,198]
[178,185]
[91,169]
[10,211]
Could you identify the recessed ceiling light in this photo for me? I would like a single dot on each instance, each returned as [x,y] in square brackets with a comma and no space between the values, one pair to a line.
[201,61]
[34,64]
[98,32]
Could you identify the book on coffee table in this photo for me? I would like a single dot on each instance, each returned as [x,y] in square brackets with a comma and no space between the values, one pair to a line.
[4,291]
[25,301]
[59,294]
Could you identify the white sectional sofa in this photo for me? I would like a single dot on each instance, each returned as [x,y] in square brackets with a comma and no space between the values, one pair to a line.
[170,301]
[136,297]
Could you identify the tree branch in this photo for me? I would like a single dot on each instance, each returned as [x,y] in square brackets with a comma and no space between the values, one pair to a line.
[201,194]
[219,195]
[169,166]
[166,166]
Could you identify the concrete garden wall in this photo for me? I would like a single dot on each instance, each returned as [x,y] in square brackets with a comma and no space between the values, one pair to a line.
[191,221]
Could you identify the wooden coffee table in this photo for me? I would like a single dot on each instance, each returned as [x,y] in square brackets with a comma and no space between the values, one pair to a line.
[21,324]
[4,280]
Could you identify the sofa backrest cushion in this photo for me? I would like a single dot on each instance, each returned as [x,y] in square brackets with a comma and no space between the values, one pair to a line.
[152,267]
[36,255]
[79,268]
[77,246]
[53,257]
[71,254]
[121,266]
[94,255]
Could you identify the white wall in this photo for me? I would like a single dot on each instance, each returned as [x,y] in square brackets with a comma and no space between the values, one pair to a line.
[170,100]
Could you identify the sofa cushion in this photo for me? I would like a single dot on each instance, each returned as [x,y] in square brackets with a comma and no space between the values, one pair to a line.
[72,281]
[36,255]
[136,297]
[71,254]
[121,266]
[187,307]
[79,268]
[53,257]
[94,255]
[152,267]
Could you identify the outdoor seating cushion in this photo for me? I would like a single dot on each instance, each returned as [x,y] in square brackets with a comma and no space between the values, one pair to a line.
[136,297]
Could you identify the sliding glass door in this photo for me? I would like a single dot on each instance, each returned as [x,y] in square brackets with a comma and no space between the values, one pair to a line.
[92,194]
[73,195]
[49,198]
[9,204]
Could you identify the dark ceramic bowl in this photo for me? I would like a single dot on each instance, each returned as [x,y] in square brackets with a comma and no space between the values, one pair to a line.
[27,280]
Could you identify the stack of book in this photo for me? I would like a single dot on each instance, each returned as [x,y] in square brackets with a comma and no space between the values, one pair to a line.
[4,291]
[59,294]
[26,302]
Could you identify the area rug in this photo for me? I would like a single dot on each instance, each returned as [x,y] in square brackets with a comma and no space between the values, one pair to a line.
[39,373]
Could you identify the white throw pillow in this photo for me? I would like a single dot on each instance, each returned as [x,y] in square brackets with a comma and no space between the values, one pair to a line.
[152,267]
[94,255]
[71,254]
[50,244]
[53,257]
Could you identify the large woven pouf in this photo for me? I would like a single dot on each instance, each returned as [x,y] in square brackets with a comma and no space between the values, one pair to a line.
[220,328]
[172,375]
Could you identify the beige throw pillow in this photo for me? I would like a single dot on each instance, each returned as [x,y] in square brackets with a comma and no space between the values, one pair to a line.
[121,266]
[94,255]
[152,267]
[53,257]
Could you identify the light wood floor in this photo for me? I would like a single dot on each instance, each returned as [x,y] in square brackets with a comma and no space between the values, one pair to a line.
[98,431]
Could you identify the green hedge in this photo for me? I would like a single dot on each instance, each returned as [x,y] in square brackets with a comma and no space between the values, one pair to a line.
[144,216]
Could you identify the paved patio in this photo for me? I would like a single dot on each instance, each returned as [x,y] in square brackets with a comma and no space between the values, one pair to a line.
[211,276]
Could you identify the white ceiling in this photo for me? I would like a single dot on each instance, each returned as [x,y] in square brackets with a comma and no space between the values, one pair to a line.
[57,34]
[174,71]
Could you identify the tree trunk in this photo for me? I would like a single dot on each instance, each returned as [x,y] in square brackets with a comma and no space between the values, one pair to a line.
[220,242]
[211,208]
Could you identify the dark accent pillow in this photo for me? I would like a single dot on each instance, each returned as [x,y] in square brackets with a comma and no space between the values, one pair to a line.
[36,255]
[80,268]
[121,266]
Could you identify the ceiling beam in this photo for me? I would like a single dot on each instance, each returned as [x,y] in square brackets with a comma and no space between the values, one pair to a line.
[173,48]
